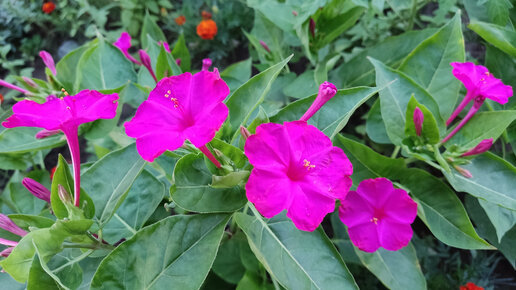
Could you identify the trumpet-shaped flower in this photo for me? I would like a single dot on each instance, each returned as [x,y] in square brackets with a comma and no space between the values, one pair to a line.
[296,168]
[180,107]
[326,91]
[124,44]
[37,189]
[48,60]
[377,214]
[65,114]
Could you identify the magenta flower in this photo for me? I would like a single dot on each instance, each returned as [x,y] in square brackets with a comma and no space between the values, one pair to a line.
[296,168]
[180,107]
[326,91]
[48,61]
[37,189]
[418,120]
[65,114]
[7,224]
[146,62]
[206,64]
[378,215]
[165,45]
[13,87]
[478,82]
[482,147]
[124,44]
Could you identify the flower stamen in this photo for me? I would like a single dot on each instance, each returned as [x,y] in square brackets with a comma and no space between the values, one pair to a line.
[307,165]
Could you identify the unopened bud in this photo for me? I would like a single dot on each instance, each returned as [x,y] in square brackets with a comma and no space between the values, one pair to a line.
[46,133]
[48,61]
[165,45]
[5,253]
[462,171]
[146,62]
[294,12]
[64,196]
[265,46]
[7,224]
[245,133]
[482,147]
[178,61]
[418,120]
[206,64]
[311,26]
[37,189]
[30,82]
[326,91]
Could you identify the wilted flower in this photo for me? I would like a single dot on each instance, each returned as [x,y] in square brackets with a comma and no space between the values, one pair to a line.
[124,44]
[418,120]
[378,215]
[180,107]
[7,224]
[326,91]
[48,61]
[207,29]
[482,147]
[296,168]
[206,64]
[48,7]
[180,20]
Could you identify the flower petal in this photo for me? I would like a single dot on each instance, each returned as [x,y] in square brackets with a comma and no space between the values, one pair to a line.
[376,191]
[307,139]
[365,237]
[495,90]
[49,115]
[269,191]
[153,144]
[331,173]
[207,90]
[394,236]
[307,209]
[90,105]
[209,123]
[469,73]
[400,208]
[269,147]
[355,210]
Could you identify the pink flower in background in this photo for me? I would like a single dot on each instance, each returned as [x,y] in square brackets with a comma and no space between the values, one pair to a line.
[326,91]
[378,215]
[165,45]
[482,147]
[206,64]
[146,62]
[180,107]
[478,82]
[37,189]
[296,168]
[13,87]
[265,46]
[418,120]
[124,44]
[48,61]
[65,114]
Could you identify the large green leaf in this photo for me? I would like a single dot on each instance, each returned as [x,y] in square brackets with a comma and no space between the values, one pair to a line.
[494,180]
[21,140]
[429,64]
[181,52]
[193,190]
[150,28]
[395,97]
[250,95]
[375,127]
[109,180]
[501,37]
[175,252]
[237,74]
[331,26]
[502,219]
[334,115]
[67,68]
[296,259]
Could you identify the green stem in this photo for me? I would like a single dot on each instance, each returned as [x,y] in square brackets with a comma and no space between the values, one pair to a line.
[97,246]
[395,152]
[439,158]
[254,210]
[276,285]
[412,15]
[75,260]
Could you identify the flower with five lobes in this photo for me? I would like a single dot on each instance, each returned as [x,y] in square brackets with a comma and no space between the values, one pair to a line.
[378,215]
[65,114]
[180,107]
[296,168]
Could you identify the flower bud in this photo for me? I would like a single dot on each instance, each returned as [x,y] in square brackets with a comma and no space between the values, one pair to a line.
[48,61]
[206,64]
[311,27]
[265,46]
[482,147]
[146,62]
[294,12]
[13,87]
[46,133]
[418,120]
[462,171]
[30,82]
[5,253]
[37,189]
[64,196]
[7,224]
[245,133]
[180,20]
[178,61]
[8,242]
[326,91]
[165,45]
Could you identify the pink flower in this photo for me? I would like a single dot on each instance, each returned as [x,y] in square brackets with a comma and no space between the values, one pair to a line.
[418,120]
[124,44]
[296,168]
[326,91]
[165,44]
[65,114]
[265,46]
[180,107]
[378,215]
[37,189]
[48,61]
[146,62]
[206,64]
[482,147]
[8,225]
[478,82]
[13,87]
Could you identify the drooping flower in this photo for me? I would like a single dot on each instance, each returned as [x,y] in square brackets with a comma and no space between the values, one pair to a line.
[206,64]
[48,7]
[37,189]
[482,147]
[13,87]
[470,286]
[478,82]
[378,215]
[48,60]
[146,62]
[180,107]
[207,29]
[418,120]
[326,91]
[296,168]
[124,44]
[65,114]
[180,20]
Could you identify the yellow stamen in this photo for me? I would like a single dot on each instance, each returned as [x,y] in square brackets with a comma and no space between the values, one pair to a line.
[374,220]
[307,164]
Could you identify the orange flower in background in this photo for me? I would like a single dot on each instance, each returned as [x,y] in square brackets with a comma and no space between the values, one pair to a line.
[207,29]
[180,20]
[1,99]
[206,15]
[471,286]
[48,7]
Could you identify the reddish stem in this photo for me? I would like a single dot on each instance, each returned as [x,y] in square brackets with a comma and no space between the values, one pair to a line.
[210,156]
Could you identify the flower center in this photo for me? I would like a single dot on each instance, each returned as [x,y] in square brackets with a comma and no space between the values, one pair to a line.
[297,171]
[174,100]
[374,220]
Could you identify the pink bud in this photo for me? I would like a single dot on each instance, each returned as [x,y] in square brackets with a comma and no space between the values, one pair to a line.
[265,46]
[146,61]
[206,64]
[326,91]
[48,61]
[8,225]
[294,12]
[37,189]
[30,82]
[178,61]
[5,253]
[482,147]
[245,133]
[165,44]
[463,172]
[418,120]
[311,26]
[46,133]
[64,196]
[13,87]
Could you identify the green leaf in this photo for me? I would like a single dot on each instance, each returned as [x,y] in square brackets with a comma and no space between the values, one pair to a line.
[429,64]
[228,264]
[237,74]
[498,11]
[178,251]
[441,210]
[395,97]
[181,52]
[103,67]
[494,180]
[502,219]
[334,115]
[150,28]
[429,131]
[501,37]
[21,140]
[67,68]
[502,66]
[193,190]
[296,259]
[250,95]
[329,28]
[61,272]
[482,126]
[110,179]
[375,127]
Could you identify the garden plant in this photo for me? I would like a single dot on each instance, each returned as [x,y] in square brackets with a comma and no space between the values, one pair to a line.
[258,144]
